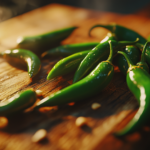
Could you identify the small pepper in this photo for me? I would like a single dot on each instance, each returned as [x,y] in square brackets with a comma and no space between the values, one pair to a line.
[17,103]
[142,62]
[147,51]
[96,81]
[133,53]
[24,57]
[69,49]
[67,65]
[99,53]
[122,33]
[138,81]
[44,41]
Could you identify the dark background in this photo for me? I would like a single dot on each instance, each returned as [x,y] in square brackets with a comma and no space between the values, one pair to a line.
[11,8]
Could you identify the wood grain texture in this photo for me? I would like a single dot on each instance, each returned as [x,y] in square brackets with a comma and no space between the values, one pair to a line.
[118,105]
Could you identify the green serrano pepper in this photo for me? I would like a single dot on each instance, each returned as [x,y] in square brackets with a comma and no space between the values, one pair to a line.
[133,53]
[96,81]
[25,57]
[17,103]
[122,33]
[138,81]
[99,53]
[142,62]
[41,42]
[147,51]
[67,65]
[69,49]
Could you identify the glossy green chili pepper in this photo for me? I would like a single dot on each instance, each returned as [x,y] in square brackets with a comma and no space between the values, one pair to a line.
[17,103]
[96,81]
[40,42]
[67,65]
[69,49]
[143,63]
[99,53]
[25,57]
[122,33]
[138,81]
[147,52]
[134,55]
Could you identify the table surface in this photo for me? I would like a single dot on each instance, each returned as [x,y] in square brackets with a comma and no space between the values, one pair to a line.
[118,105]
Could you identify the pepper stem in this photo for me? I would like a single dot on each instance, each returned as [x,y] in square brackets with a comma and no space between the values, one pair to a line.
[111,52]
[108,27]
[124,43]
[144,50]
[130,63]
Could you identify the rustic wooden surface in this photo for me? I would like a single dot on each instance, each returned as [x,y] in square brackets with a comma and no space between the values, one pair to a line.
[118,105]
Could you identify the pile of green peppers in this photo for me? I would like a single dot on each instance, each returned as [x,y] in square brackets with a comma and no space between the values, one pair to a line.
[93,67]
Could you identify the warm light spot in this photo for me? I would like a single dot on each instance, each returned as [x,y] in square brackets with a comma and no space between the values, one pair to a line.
[19,39]
[39,135]
[138,114]
[8,51]
[71,104]
[105,39]
[15,51]
[80,121]
[131,74]
[3,122]
[29,61]
[47,109]
[95,106]
[38,92]
[142,97]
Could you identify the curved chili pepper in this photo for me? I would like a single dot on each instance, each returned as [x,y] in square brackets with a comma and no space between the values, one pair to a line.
[23,56]
[39,42]
[122,33]
[134,55]
[142,62]
[138,81]
[99,53]
[69,49]
[17,103]
[67,65]
[96,81]
[147,51]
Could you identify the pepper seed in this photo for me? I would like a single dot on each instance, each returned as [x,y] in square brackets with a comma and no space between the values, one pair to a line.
[95,106]
[38,92]
[39,135]
[3,122]
[80,121]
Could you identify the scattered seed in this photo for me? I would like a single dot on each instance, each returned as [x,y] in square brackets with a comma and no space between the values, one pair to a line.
[38,92]
[3,122]
[80,121]
[95,106]
[39,135]
[47,109]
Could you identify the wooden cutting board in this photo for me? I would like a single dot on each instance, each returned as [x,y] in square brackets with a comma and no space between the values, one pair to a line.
[118,105]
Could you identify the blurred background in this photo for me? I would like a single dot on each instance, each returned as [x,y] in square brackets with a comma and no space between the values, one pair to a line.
[11,8]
